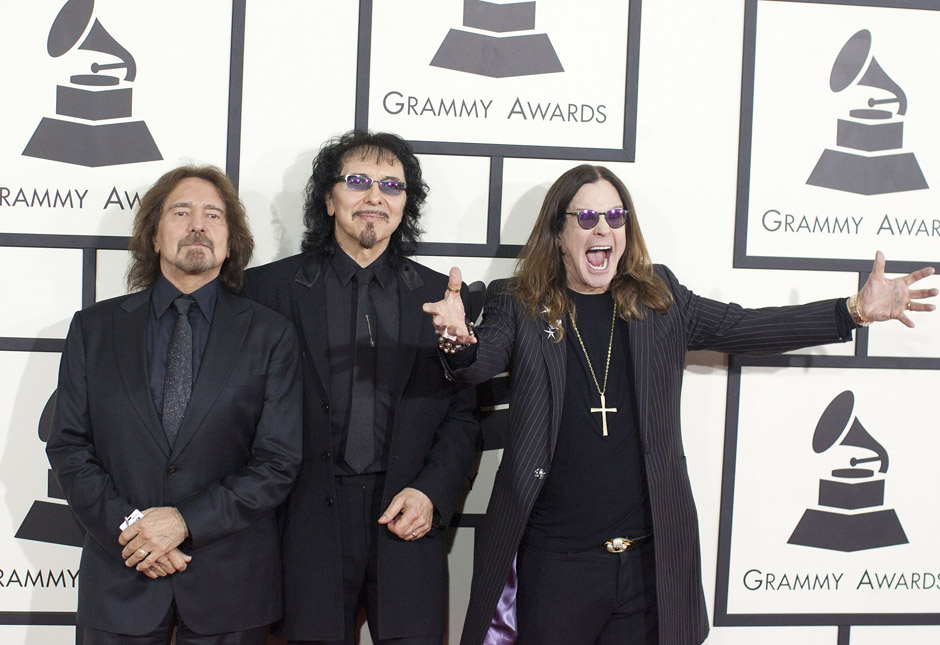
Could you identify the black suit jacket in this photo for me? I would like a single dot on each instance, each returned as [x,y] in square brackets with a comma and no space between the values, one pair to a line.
[232,464]
[433,439]
[510,340]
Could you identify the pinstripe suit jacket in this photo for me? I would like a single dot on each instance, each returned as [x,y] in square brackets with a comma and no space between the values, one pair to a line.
[508,339]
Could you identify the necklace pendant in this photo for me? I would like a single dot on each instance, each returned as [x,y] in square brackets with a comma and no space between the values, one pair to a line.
[603,410]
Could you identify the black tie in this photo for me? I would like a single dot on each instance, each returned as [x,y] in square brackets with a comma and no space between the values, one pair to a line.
[178,384]
[360,435]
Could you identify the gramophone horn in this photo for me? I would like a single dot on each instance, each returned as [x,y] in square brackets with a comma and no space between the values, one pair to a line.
[849,62]
[858,437]
[69,26]
[875,76]
[99,40]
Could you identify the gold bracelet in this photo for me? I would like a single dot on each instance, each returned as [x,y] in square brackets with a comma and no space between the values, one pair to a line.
[852,304]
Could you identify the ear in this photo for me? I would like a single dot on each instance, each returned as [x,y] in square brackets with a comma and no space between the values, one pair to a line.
[328,200]
[156,245]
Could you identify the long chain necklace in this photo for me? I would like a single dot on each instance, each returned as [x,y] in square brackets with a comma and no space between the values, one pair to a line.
[603,410]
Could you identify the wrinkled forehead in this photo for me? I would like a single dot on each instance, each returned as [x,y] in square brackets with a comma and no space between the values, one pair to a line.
[371,153]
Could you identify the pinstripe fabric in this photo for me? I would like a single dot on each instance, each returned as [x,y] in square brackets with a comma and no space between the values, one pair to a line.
[508,340]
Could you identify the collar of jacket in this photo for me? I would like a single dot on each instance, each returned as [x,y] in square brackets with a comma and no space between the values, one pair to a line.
[309,272]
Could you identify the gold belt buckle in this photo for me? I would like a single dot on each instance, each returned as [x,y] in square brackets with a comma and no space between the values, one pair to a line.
[619,545]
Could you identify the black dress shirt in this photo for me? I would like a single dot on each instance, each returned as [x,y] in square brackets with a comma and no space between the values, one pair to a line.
[160,328]
[341,296]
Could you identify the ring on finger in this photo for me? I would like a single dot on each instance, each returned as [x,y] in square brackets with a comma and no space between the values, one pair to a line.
[453,289]
[143,552]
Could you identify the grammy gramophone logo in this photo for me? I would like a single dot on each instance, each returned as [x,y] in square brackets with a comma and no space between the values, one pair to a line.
[54,521]
[867,159]
[851,514]
[95,128]
[498,47]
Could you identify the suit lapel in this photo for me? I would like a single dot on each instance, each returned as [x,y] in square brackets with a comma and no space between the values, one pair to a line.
[412,320]
[226,336]
[130,347]
[641,343]
[310,299]
[554,355]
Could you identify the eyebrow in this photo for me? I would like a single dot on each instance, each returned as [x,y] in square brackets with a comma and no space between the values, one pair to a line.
[190,205]
[392,177]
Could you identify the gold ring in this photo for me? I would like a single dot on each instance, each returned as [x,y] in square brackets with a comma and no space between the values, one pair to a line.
[453,289]
[414,535]
[143,552]
[909,305]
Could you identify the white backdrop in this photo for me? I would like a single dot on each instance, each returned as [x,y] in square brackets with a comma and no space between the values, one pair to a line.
[713,113]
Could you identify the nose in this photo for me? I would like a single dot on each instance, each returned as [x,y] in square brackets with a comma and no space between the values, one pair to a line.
[373,194]
[198,220]
[602,227]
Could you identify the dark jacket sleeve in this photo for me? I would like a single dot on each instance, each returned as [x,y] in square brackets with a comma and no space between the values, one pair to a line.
[732,329]
[89,489]
[496,336]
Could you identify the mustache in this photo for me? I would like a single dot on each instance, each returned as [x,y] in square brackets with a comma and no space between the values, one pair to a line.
[195,238]
[371,211]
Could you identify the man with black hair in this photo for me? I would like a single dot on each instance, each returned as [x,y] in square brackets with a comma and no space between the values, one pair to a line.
[388,441]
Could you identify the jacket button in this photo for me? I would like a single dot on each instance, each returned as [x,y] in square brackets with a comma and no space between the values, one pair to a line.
[324,456]
[326,407]
[329,501]
[172,470]
[539,473]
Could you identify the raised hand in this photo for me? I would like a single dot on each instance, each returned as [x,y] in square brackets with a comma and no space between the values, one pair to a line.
[448,315]
[884,299]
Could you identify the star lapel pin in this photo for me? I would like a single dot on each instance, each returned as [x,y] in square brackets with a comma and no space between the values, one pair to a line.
[552,328]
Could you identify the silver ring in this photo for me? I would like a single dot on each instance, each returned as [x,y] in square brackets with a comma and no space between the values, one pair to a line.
[449,337]
[143,552]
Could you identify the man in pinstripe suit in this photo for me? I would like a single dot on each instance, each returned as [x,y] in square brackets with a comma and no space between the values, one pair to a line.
[592,501]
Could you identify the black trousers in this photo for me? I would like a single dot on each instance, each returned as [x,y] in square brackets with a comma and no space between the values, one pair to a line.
[359,504]
[163,635]
[587,597]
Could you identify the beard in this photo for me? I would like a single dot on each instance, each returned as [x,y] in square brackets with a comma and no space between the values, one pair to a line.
[368,236]
[194,260]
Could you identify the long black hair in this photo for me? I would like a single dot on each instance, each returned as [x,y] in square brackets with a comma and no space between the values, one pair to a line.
[385,146]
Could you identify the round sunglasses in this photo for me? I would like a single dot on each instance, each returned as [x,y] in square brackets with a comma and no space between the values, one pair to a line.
[588,219]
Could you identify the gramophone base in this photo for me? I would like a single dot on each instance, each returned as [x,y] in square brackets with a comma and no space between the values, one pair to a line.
[52,523]
[867,175]
[497,56]
[848,533]
[109,144]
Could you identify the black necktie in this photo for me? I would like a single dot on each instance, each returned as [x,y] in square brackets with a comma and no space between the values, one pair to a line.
[178,384]
[360,435]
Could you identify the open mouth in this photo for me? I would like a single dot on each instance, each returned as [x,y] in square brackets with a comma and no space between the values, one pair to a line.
[598,257]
